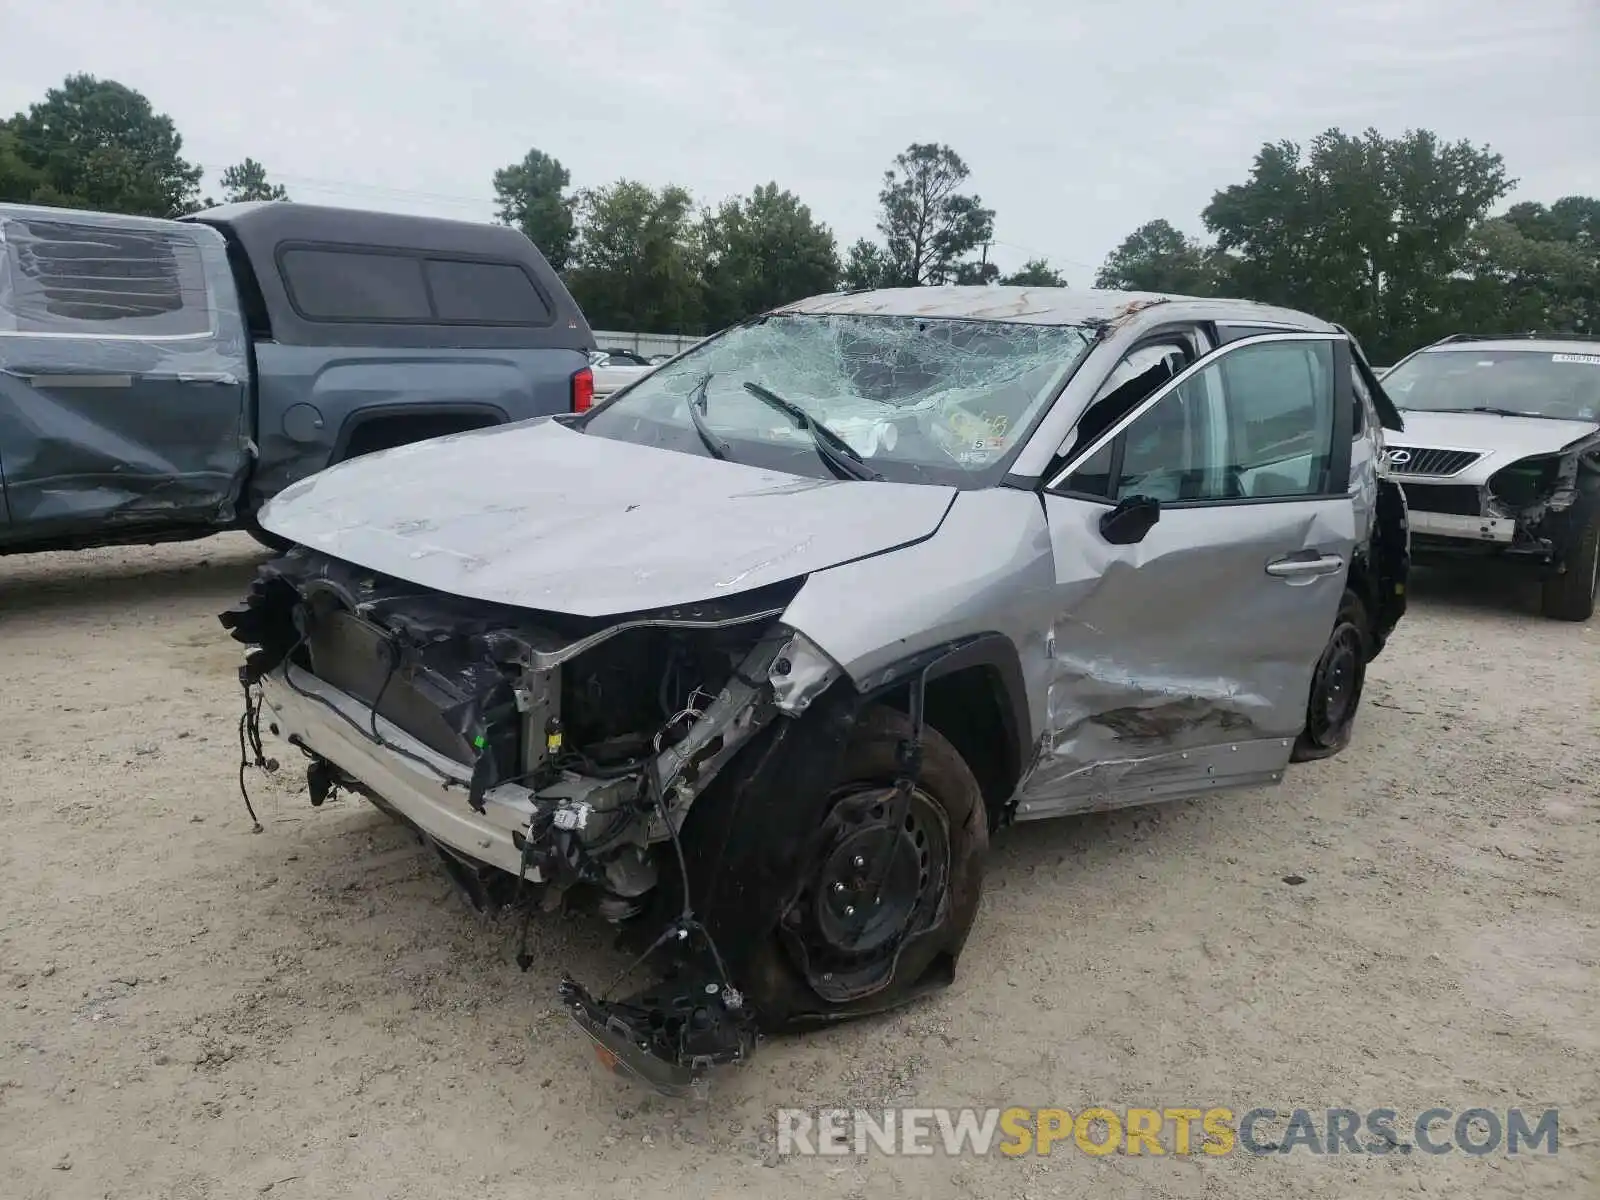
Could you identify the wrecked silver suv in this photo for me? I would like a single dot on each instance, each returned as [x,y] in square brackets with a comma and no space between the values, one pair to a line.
[752,657]
[1501,458]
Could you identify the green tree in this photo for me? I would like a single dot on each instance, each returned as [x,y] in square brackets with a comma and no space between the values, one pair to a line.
[928,226]
[20,181]
[1158,258]
[865,267]
[762,251]
[94,143]
[1534,270]
[980,273]
[532,196]
[248,181]
[637,259]
[1370,231]
[1036,272]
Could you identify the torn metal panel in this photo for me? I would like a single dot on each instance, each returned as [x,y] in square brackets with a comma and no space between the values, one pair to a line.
[124,373]
[800,674]
[543,517]
[1132,308]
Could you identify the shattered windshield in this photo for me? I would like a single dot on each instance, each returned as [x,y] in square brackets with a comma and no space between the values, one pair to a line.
[903,398]
[1535,383]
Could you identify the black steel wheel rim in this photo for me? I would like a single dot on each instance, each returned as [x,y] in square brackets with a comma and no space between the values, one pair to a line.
[878,876]
[1339,678]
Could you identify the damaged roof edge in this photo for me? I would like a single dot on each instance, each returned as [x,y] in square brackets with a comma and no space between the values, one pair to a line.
[1035,305]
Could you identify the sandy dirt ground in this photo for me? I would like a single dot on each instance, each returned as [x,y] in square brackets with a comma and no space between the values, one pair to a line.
[189,1010]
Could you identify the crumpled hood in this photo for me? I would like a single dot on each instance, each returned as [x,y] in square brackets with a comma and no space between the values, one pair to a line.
[540,516]
[1501,440]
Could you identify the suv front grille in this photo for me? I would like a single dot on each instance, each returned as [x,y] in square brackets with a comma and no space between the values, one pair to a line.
[1459,499]
[1420,460]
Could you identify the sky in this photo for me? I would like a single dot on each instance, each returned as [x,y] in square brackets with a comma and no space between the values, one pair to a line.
[1080,120]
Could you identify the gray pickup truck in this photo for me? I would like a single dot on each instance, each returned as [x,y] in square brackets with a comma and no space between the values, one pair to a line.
[161,380]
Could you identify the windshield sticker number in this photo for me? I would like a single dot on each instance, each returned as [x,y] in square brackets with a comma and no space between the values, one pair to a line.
[1592,360]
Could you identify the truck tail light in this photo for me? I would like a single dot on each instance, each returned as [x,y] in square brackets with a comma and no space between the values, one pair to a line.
[582,390]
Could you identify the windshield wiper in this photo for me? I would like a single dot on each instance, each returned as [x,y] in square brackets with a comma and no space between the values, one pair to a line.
[835,451]
[1486,408]
[697,416]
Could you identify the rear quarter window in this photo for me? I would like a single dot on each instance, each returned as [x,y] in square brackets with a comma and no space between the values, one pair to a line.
[66,277]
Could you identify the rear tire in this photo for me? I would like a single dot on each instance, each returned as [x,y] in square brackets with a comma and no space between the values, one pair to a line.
[1336,684]
[933,910]
[1570,595]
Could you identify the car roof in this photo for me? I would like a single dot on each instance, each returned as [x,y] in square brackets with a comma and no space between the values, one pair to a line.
[1543,345]
[268,222]
[1049,306]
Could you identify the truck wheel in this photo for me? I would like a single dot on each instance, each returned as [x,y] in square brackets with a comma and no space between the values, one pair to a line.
[839,955]
[1336,684]
[1570,596]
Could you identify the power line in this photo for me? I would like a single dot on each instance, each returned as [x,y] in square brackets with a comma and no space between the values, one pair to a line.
[1035,252]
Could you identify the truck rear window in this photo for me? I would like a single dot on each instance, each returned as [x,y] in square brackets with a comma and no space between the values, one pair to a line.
[66,277]
[386,287]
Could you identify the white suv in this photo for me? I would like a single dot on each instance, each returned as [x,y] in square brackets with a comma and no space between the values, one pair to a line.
[1501,457]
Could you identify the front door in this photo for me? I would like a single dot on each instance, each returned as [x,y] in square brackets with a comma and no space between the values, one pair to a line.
[1181,659]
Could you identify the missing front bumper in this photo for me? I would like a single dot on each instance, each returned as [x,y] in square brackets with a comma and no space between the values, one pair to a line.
[426,788]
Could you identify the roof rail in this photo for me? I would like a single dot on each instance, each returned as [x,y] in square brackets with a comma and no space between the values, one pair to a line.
[1517,337]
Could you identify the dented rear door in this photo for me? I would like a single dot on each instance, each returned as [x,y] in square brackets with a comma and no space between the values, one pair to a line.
[124,375]
[1182,662]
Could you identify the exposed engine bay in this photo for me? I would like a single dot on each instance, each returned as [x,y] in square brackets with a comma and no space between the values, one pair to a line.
[552,762]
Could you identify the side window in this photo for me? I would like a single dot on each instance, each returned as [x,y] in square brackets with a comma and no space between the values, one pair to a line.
[1177,450]
[1280,399]
[67,277]
[1257,422]
[485,293]
[1140,373]
[355,285]
[1173,356]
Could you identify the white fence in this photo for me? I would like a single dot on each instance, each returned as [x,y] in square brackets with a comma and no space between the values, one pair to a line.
[647,344]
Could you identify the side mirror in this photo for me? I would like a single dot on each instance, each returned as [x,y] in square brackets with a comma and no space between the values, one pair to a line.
[1130,520]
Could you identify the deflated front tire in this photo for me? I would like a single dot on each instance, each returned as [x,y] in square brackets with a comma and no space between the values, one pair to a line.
[1336,684]
[886,895]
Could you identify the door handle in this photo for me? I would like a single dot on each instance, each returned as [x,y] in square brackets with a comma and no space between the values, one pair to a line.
[1291,567]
